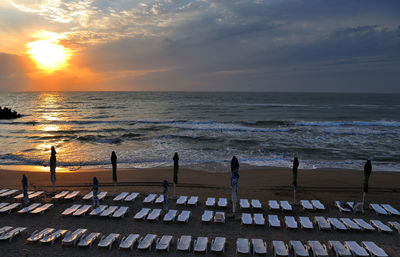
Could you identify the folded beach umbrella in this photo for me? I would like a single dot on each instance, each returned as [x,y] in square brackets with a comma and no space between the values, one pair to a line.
[176,169]
[367,174]
[95,189]
[165,193]
[25,189]
[295,167]
[53,165]
[114,167]
[234,181]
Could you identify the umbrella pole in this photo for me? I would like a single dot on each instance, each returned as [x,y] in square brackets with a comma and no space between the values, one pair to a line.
[174,190]
[294,195]
[115,187]
[54,187]
[363,197]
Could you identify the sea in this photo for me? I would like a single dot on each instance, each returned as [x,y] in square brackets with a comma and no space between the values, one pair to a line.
[145,129]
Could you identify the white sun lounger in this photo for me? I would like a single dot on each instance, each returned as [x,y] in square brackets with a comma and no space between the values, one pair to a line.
[242,246]
[129,241]
[42,209]
[318,205]
[244,204]
[71,209]
[274,221]
[29,208]
[72,195]
[286,206]
[21,195]
[102,195]
[11,233]
[132,197]
[60,195]
[305,223]
[164,243]
[273,205]
[222,202]
[141,215]
[89,239]
[98,210]
[193,200]
[207,216]
[109,211]
[82,210]
[259,246]
[146,242]
[52,237]
[121,196]
[322,223]
[280,248]
[317,248]
[107,242]
[120,213]
[373,249]
[256,204]
[88,196]
[170,216]
[184,216]
[200,245]
[154,215]
[4,190]
[306,205]
[210,202]
[259,219]
[378,209]
[339,249]
[350,224]
[395,225]
[9,208]
[184,243]
[364,225]
[5,229]
[390,209]
[341,207]
[337,224]
[37,235]
[380,226]
[9,193]
[246,219]
[71,238]
[298,248]
[290,222]
[2,205]
[35,195]
[356,249]
[356,207]
[159,199]
[150,198]
[218,245]
[219,217]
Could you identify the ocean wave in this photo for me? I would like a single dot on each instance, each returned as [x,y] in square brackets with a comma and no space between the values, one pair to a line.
[347,123]
[99,139]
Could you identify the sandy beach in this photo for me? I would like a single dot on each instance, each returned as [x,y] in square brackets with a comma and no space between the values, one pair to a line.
[255,183]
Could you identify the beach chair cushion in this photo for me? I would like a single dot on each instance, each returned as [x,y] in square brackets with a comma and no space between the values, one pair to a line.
[107,241]
[280,248]
[201,244]
[207,216]
[322,223]
[243,246]
[259,219]
[244,204]
[247,219]
[306,223]
[298,248]
[150,198]
[120,212]
[184,216]
[36,235]
[318,205]
[337,224]
[390,209]
[286,206]
[256,204]
[141,215]
[98,210]
[210,202]
[218,244]
[273,205]
[121,196]
[274,221]
[350,224]
[306,205]
[222,202]
[131,197]
[154,215]
[290,222]
[364,225]
[170,215]
[259,246]
[378,209]
[89,239]
[193,200]
[380,226]
[184,243]
[317,248]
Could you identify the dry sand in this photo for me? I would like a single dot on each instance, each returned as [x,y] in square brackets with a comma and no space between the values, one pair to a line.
[256,183]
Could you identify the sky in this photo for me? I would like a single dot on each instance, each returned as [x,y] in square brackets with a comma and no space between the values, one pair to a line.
[200,45]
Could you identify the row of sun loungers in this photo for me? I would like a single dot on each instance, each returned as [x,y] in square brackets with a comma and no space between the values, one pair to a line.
[100,196]
[8,232]
[211,202]
[312,205]
[126,197]
[102,211]
[171,216]
[66,195]
[31,195]
[7,192]
[36,208]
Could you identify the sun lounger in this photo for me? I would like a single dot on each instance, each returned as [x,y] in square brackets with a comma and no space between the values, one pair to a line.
[341,207]
[274,221]
[146,242]
[193,200]
[29,208]
[373,249]
[37,235]
[259,219]
[390,209]
[4,190]
[356,207]
[350,224]
[218,245]
[71,209]
[2,205]
[322,223]
[337,224]
[89,239]
[150,198]
[380,226]
[306,205]
[5,229]
[242,246]
[71,238]
[317,248]
[364,225]
[52,237]
[82,210]
[98,210]
[163,243]
[129,241]
[256,204]
[356,249]
[273,205]
[210,202]
[318,205]
[102,195]
[259,246]
[11,233]
[9,193]
[141,215]
[107,241]
[305,223]
[170,216]
[244,204]
[280,248]
[159,199]
[9,208]
[120,213]
[339,249]
[184,243]
[35,195]
[72,195]
[184,216]
[109,211]
[378,209]
[42,209]
[207,216]
[121,196]
[222,202]
[290,222]
[154,215]
[395,225]
[246,219]
[200,245]
[132,197]
[286,206]
[219,217]
[60,195]
[21,195]
[88,196]
[298,248]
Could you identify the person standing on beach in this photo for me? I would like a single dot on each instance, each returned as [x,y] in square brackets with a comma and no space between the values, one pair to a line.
[53,164]
[234,181]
